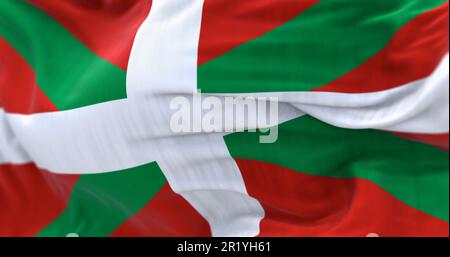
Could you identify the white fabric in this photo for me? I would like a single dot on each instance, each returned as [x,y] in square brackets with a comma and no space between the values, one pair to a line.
[421,106]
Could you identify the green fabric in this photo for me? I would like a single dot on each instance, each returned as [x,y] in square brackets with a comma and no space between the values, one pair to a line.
[325,42]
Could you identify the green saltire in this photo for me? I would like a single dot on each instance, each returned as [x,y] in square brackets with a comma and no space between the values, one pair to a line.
[68,72]
[415,173]
[100,203]
[330,39]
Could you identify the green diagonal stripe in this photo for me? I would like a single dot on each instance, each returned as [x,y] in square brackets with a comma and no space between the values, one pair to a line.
[328,40]
[415,173]
[69,73]
[100,203]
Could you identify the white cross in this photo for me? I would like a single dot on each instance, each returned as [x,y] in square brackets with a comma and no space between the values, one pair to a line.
[130,132]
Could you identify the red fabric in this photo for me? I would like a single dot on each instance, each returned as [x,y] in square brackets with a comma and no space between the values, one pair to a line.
[31,198]
[166,214]
[297,204]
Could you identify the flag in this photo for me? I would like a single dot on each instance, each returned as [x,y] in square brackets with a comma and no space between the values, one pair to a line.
[85,143]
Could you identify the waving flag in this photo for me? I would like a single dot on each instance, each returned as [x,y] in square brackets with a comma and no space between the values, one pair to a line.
[85,143]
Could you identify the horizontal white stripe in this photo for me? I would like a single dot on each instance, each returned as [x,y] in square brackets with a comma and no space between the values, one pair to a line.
[99,138]
[421,106]
[418,107]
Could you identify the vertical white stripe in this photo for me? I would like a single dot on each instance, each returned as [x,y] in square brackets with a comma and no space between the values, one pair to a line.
[199,167]
[164,53]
